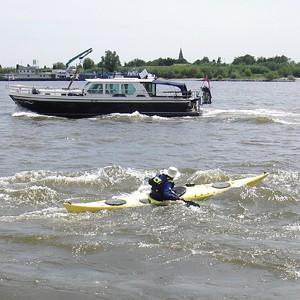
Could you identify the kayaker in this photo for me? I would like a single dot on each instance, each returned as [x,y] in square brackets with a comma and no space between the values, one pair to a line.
[162,185]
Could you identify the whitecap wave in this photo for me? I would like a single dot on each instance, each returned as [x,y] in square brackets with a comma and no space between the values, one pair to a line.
[32,115]
[276,116]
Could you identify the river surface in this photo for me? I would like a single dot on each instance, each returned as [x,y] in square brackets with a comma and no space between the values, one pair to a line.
[243,244]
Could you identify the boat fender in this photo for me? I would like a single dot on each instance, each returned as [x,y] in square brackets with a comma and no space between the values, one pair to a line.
[221,185]
[115,202]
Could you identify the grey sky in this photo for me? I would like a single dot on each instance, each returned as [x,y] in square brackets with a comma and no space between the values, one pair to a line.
[52,31]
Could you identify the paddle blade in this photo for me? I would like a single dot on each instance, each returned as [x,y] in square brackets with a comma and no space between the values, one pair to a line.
[191,203]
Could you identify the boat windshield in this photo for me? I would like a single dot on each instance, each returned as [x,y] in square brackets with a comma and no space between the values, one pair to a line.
[110,88]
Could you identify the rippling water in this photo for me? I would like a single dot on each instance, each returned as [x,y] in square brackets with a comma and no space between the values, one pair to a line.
[243,244]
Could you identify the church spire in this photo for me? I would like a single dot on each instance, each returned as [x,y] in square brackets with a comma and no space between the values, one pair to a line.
[180,54]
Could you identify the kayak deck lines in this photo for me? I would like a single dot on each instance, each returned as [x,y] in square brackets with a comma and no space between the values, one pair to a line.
[191,192]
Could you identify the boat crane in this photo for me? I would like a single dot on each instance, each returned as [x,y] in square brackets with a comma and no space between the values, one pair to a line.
[80,56]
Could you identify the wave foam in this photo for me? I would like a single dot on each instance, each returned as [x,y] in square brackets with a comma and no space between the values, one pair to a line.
[261,115]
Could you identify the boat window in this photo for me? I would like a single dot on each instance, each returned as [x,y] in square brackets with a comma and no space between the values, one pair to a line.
[127,89]
[150,88]
[112,88]
[167,90]
[96,88]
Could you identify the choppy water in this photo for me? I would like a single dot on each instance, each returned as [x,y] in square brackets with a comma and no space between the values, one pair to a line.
[243,244]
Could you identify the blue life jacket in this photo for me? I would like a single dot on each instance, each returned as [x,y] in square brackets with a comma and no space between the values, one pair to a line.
[162,188]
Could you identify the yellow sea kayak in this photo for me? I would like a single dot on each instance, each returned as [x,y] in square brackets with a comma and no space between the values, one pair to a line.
[190,192]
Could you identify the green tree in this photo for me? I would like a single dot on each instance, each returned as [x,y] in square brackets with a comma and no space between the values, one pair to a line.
[110,61]
[88,64]
[248,72]
[285,70]
[59,65]
[203,61]
[164,61]
[280,59]
[219,72]
[258,69]
[244,60]
[296,70]
[271,76]
[135,63]
[181,61]
[171,61]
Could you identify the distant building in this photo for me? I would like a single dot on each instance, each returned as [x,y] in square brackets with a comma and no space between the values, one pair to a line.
[35,73]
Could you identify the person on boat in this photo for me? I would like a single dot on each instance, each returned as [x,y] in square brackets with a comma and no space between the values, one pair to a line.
[162,185]
[206,91]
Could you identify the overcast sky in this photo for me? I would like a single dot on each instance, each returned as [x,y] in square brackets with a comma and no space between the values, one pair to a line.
[55,31]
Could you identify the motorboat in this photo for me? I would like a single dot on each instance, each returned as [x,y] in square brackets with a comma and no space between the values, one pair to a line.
[147,95]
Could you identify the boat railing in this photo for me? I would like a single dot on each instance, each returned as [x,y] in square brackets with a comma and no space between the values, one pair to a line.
[18,88]
[23,89]
[196,95]
[179,94]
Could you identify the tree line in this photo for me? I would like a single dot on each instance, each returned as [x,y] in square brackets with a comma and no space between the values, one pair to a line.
[245,67]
